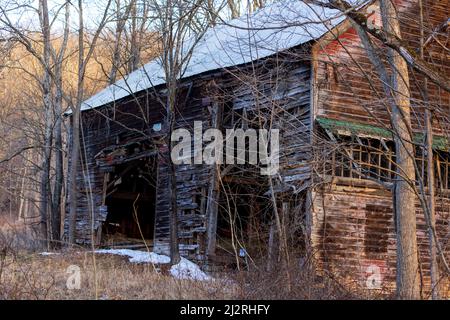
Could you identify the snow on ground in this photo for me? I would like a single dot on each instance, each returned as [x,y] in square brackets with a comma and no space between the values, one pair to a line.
[185,269]
[48,253]
[136,256]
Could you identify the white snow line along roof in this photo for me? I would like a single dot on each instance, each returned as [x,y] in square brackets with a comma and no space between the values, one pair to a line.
[275,28]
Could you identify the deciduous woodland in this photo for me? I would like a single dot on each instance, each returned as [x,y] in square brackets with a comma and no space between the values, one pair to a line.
[94,96]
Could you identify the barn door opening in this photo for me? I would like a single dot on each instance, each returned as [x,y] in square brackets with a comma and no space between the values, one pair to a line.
[243,222]
[130,202]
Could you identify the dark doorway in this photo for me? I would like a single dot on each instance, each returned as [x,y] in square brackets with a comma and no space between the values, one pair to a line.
[131,201]
[244,213]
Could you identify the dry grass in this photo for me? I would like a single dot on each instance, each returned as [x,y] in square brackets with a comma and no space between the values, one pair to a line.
[26,274]
[16,236]
[304,283]
[33,276]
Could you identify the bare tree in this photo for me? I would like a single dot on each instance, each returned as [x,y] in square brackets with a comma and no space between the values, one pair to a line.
[47,101]
[76,109]
[233,6]
[58,57]
[405,211]
[50,81]
[121,19]
[398,94]
[178,40]
[434,268]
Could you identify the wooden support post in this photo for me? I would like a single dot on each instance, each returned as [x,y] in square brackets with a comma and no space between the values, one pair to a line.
[285,208]
[212,205]
[272,250]
[98,236]
[212,213]
[105,186]
[252,224]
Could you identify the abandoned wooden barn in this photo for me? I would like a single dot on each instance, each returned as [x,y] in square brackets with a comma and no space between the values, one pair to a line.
[316,85]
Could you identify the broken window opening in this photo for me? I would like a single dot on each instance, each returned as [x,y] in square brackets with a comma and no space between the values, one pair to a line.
[374,159]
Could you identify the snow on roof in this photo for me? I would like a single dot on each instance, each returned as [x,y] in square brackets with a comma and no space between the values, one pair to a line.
[277,27]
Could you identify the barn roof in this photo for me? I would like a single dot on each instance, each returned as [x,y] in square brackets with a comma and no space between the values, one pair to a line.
[275,28]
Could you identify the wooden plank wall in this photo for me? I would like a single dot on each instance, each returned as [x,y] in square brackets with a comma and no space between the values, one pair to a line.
[192,181]
[354,230]
[276,95]
[103,128]
[128,119]
[344,74]
[353,226]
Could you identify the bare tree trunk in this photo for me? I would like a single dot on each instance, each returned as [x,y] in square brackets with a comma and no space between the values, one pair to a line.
[233,6]
[170,62]
[213,194]
[171,118]
[76,112]
[258,4]
[120,26]
[407,259]
[59,165]
[59,173]
[282,240]
[116,53]
[22,194]
[212,12]
[434,269]
[171,67]
[175,20]
[75,152]
[135,52]
[74,158]
[48,116]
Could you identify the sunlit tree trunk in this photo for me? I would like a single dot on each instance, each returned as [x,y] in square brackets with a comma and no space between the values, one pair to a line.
[57,133]
[48,117]
[405,198]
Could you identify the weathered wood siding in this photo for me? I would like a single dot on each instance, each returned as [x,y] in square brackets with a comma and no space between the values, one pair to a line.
[347,87]
[281,98]
[100,129]
[352,226]
[354,234]
[276,95]
[192,180]
[115,125]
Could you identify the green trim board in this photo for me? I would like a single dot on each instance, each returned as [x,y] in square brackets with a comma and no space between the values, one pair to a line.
[341,127]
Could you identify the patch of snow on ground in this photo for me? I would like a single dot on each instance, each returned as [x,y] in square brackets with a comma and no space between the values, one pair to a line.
[186,269]
[48,253]
[136,256]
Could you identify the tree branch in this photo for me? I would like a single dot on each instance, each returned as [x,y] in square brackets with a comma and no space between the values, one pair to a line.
[390,40]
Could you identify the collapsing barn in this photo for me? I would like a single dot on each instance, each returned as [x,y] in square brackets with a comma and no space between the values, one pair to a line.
[334,184]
